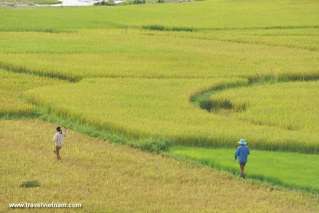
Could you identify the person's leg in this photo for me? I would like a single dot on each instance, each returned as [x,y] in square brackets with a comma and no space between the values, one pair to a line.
[242,170]
[58,152]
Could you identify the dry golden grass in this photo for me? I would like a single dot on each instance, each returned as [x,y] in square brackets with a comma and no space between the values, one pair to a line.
[114,178]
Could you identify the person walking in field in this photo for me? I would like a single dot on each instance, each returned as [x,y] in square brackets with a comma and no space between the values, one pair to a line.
[58,140]
[241,154]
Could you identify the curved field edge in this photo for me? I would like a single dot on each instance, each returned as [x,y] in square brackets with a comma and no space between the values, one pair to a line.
[196,97]
[289,170]
[47,74]
[227,100]
[39,98]
[147,143]
[153,178]
[158,145]
[287,105]
[203,98]
[11,88]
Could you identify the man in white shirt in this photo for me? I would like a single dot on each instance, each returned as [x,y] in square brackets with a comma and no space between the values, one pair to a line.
[58,140]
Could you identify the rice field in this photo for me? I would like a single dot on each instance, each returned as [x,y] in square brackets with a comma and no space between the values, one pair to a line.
[197,76]
[210,14]
[138,53]
[11,89]
[115,178]
[290,169]
[286,105]
[162,108]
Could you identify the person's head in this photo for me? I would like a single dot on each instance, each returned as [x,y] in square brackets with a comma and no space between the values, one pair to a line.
[58,129]
[242,142]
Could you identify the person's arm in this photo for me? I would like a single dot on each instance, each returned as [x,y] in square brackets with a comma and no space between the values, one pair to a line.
[54,137]
[64,132]
[236,153]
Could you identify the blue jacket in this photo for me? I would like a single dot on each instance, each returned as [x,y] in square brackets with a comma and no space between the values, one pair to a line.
[242,153]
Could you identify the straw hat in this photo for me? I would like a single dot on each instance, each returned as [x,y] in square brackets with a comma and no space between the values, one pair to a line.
[242,142]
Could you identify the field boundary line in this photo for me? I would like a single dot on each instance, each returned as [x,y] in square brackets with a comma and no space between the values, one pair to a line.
[189,29]
[24,70]
[75,79]
[257,43]
[109,138]
[268,44]
[194,99]
[203,100]
[256,179]
[140,139]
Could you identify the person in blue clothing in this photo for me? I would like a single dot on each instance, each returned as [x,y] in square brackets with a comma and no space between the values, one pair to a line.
[241,154]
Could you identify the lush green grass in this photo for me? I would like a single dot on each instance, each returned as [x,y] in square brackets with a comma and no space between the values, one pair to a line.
[283,168]
[114,178]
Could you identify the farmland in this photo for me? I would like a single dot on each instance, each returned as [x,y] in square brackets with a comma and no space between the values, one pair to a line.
[277,104]
[287,168]
[139,109]
[114,178]
[11,90]
[185,79]
[139,53]
[210,15]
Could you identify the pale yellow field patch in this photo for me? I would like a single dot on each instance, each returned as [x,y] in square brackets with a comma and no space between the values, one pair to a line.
[115,178]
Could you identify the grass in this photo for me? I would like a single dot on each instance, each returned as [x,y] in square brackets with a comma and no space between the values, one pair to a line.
[128,175]
[150,144]
[139,53]
[297,38]
[30,183]
[163,28]
[11,89]
[285,105]
[210,14]
[137,107]
[135,74]
[288,169]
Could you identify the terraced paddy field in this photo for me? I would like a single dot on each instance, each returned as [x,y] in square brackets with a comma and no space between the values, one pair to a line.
[182,79]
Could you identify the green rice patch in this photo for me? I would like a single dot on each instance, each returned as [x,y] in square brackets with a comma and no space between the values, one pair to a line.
[293,170]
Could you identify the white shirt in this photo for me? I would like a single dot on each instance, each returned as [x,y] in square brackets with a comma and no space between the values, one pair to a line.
[58,139]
